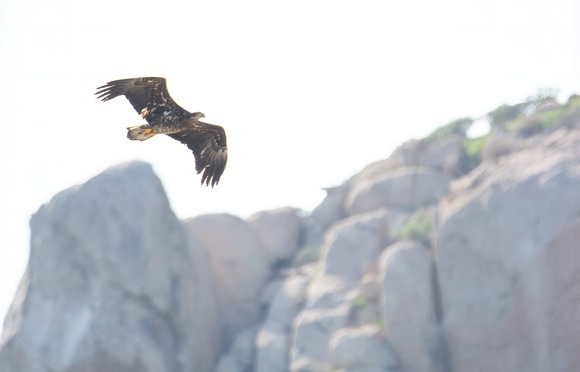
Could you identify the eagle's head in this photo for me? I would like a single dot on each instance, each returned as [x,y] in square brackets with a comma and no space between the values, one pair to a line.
[197,115]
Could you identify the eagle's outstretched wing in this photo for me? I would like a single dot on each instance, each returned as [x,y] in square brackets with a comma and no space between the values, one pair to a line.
[148,95]
[209,146]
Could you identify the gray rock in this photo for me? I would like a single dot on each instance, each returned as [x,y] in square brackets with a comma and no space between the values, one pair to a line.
[287,302]
[272,349]
[350,251]
[409,312]
[397,218]
[312,332]
[227,363]
[353,245]
[270,291]
[243,348]
[370,287]
[240,266]
[406,155]
[330,209]
[366,307]
[406,188]
[278,230]
[241,352]
[326,310]
[111,283]
[365,369]
[445,156]
[509,258]
[272,341]
[362,348]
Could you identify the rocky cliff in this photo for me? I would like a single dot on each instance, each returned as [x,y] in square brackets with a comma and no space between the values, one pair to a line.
[425,261]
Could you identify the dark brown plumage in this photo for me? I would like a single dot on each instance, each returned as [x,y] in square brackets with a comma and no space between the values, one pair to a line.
[150,98]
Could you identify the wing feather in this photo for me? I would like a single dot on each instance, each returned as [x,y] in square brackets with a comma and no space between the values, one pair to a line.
[148,96]
[209,146]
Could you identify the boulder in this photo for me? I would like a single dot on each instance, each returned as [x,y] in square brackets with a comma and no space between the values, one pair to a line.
[326,310]
[366,307]
[111,284]
[227,363]
[408,306]
[509,258]
[370,287]
[362,348]
[350,251]
[278,231]
[272,341]
[240,266]
[397,218]
[406,188]
[446,155]
[241,352]
[405,155]
[271,289]
[313,329]
[243,348]
[287,302]
[272,349]
[442,155]
[330,209]
[353,245]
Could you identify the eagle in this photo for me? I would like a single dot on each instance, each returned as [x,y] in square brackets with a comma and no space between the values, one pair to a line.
[150,98]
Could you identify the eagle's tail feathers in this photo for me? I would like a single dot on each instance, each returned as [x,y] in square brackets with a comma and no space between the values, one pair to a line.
[140,133]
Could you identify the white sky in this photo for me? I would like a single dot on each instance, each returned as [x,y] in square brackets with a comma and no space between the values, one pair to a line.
[309,92]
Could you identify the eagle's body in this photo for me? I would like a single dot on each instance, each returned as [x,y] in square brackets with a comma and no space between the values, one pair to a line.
[150,98]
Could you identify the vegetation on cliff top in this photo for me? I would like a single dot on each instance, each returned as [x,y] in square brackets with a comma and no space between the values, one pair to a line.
[536,114]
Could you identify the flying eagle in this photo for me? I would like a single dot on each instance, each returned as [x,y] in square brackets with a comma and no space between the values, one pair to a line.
[150,98]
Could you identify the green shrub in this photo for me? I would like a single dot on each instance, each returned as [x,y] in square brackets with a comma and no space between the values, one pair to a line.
[567,115]
[527,125]
[534,123]
[360,301]
[573,100]
[456,127]
[549,117]
[474,146]
[419,227]
[570,119]
[505,113]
